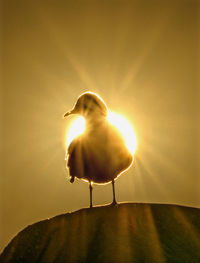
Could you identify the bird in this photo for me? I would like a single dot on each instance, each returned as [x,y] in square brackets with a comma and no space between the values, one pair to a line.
[99,155]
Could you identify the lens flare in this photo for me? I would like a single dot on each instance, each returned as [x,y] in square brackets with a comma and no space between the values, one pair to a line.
[125,128]
[77,128]
[122,124]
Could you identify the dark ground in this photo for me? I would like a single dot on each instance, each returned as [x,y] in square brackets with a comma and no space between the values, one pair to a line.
[124,233]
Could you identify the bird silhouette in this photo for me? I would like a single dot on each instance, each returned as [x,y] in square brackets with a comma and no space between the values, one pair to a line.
[99,155]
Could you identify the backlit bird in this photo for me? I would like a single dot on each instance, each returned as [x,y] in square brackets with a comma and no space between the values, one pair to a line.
[99,155]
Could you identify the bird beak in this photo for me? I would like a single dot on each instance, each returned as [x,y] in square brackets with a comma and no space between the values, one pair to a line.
[67,113]
[70,112]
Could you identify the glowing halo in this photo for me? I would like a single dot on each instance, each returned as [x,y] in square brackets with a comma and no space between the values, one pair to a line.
[76,128]
[126,130]
[122,124]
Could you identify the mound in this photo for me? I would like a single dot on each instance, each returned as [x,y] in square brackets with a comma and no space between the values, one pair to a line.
[123,233]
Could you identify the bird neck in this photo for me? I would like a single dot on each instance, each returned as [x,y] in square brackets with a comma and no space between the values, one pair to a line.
[94,122]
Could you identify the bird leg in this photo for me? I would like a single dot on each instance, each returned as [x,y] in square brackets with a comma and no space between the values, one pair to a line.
[72,179]
[90,187]
[113,187]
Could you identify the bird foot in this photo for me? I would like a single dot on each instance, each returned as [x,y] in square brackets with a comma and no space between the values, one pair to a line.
[114,203]
[72,179]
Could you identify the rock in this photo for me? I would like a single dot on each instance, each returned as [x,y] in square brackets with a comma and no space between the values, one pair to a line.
[123,233]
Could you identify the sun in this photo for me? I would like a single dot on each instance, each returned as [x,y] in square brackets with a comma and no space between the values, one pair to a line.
[126,130]
[122,124]
[76,128]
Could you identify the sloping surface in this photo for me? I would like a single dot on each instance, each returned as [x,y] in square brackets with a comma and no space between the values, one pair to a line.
[124,233]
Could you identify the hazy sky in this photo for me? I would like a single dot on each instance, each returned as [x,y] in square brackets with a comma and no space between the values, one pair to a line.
[141,57]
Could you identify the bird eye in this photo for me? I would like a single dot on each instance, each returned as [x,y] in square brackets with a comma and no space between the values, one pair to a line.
[84,107]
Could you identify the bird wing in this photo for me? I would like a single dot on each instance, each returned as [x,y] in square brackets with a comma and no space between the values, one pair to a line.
[75,160]
[99,155]
[104,153]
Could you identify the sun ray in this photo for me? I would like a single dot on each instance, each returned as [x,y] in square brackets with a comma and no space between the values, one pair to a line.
[57,37]
[156,249]
[192,231]
[146,169]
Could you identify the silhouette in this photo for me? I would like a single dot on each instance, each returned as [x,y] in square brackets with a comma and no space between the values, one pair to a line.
[99,155]
[130,233]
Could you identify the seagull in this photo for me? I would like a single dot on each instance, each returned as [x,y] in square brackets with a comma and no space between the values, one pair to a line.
[99,155]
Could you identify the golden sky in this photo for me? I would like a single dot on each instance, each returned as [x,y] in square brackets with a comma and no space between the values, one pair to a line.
[141,57]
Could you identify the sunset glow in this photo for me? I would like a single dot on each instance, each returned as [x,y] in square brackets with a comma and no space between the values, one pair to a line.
[125,128]
[77,128]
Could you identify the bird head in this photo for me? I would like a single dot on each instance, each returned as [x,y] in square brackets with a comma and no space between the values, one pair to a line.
[90,106]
